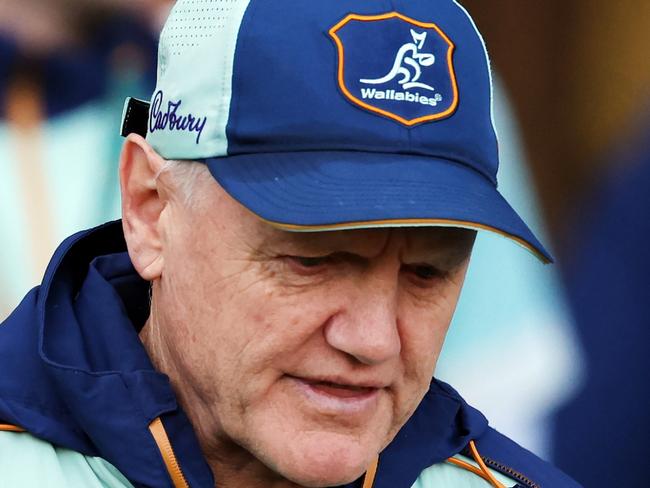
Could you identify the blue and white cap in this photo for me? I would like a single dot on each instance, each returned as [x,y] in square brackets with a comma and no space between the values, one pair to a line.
[332,115]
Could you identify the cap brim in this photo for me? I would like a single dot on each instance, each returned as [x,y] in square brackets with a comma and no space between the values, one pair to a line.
[320,191]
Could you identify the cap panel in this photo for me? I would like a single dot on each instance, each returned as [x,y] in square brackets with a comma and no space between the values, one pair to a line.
[296,104]
[489,65]
[299,106]
[190,106]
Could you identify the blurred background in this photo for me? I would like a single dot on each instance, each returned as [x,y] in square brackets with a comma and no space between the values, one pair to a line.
[555,356]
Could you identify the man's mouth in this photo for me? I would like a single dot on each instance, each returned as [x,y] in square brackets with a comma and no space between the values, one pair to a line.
[340,390]
[339,396]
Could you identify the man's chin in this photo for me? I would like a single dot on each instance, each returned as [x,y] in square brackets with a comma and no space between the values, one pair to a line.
[319,459]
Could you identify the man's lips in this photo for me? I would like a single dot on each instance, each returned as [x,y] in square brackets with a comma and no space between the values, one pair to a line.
[341,388]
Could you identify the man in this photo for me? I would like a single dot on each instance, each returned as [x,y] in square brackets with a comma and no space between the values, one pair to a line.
[275,324]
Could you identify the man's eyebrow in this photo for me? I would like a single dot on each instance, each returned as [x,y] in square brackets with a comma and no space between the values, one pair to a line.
[444,249]
[281,243]
[445,259]
[282,240]
[449,248]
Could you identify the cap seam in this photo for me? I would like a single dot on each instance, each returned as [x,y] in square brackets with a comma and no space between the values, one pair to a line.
[242,40]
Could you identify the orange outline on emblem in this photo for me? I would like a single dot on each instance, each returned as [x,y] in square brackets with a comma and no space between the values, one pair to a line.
[390,15]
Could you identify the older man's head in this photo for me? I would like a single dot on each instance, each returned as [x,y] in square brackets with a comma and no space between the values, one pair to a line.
[298,355]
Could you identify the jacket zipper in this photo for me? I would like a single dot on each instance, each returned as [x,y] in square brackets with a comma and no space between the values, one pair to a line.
[502,468]
[159,434]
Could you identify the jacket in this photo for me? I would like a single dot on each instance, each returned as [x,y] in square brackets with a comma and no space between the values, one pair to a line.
[74,374]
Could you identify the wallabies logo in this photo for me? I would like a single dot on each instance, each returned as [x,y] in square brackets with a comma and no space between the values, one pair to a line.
[396,67]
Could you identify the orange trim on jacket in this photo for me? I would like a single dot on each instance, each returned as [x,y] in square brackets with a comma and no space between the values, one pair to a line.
[159,434]
[482,469]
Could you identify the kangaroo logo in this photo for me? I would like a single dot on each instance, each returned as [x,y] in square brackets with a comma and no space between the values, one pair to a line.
[418,87]
[408,56]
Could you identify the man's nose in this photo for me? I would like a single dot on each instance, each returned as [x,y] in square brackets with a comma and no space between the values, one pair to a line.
[368,327]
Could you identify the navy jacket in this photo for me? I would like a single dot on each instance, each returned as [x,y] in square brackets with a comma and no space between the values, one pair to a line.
[74,373]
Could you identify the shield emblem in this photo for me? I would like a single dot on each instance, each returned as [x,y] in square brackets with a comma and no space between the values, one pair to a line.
[396,67]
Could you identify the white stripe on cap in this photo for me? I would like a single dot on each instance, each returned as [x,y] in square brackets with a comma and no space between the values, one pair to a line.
[191,104]
[489,65]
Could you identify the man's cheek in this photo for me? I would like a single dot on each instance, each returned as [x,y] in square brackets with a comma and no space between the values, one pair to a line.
[419,358]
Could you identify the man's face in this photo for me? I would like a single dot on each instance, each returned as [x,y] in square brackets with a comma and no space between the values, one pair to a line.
[307,350]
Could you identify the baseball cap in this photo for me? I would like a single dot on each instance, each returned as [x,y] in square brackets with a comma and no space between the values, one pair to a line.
[327,115]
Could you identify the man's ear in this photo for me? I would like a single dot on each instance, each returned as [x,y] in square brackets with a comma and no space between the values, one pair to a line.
[142,205]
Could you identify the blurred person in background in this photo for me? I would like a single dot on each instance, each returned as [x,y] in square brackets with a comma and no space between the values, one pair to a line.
[583,115]
[607,274]
[66,67]
[557,313]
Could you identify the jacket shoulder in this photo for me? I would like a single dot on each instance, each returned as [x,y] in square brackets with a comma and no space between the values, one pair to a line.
[32,463]
[504,455]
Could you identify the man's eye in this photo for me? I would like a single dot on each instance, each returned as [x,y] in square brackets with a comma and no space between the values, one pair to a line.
[308,262]
[425,272]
